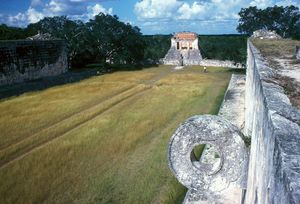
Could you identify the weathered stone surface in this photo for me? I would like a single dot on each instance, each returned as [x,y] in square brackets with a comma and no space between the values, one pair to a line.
[233,106]
[274,127]
[273,124]
[24,60]
[297,52]
[184,50]
[41,36]
[173,57]
[220,182]
[191,57]
[220,63]
[266,34]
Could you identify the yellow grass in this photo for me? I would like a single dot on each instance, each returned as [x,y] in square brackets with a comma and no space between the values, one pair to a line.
[276,48]
[104,139]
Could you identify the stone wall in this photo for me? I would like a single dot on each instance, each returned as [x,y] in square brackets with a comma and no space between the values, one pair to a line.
[173,57]
[25,60]
[273,124]
[211,179]
[220,63]
[297,52]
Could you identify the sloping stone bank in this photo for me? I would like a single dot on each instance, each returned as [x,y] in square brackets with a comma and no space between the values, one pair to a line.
[273,124]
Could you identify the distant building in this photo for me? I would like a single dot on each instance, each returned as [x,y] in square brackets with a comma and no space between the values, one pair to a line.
[265,34]
[184,50]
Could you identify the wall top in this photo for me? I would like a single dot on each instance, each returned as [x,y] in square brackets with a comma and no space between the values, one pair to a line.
[186,36]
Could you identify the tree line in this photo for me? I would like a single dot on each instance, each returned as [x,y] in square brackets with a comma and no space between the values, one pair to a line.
[107,40]
[103,39]
[284,20]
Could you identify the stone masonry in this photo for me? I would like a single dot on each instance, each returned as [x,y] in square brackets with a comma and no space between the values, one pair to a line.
[184,50]
[221,179]
[268,122]
[25,60]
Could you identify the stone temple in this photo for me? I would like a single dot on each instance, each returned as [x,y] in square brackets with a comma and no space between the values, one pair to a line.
[184,50]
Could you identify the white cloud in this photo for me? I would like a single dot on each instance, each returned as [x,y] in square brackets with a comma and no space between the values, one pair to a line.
[195,10]
[34,16]
[21,19]
[261,3]
[17,20]
[96,9]
[187,10]
[205,15]
[74,9]
[35,3]
[55,7]
[156,8]
[78,0]
[289,2]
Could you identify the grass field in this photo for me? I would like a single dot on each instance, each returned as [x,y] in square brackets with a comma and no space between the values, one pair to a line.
[103,139]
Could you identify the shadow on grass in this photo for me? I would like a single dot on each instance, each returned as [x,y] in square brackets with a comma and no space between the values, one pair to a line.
[70,77]
[46,82]
[120,67]
[237,71]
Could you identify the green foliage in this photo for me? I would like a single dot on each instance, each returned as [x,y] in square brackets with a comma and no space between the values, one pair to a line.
[103,39]
[156,46]
[222,47]
[11,33]
[106,39]
[63,28]
[114,41]
[284,20]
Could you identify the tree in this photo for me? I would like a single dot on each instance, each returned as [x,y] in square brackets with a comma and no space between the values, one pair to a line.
[283,20]
[156,46]
[63,28]
[11,33]
[114,41]
[102,39]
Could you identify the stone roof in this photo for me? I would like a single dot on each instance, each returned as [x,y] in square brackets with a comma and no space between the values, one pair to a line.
[41,36]
[186,36]
[266,34]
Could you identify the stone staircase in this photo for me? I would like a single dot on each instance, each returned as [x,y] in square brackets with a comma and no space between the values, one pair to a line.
[193,57]
[183,57]
[173,57]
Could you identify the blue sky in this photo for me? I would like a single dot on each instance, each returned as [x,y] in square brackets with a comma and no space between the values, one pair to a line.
[152,16]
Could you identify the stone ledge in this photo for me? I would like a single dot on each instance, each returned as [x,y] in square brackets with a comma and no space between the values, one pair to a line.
[273,123]
[226,180]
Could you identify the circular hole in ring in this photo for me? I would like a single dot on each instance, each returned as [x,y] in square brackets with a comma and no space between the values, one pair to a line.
[206,157]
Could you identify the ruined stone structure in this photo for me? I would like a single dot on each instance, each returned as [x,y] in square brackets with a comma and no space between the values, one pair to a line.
[184,50]
[25,60]
[256,122]
[221,63]
[41,36]
[266,34]
[274,127]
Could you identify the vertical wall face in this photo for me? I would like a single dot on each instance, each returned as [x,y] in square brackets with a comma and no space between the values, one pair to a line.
[27,60]
[195,44]
[273,125]
[298,52]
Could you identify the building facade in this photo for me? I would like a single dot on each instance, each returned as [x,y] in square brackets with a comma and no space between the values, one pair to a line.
[184,50]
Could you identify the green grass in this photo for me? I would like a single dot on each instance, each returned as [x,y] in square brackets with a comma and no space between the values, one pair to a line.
[104,139]
[276,48]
